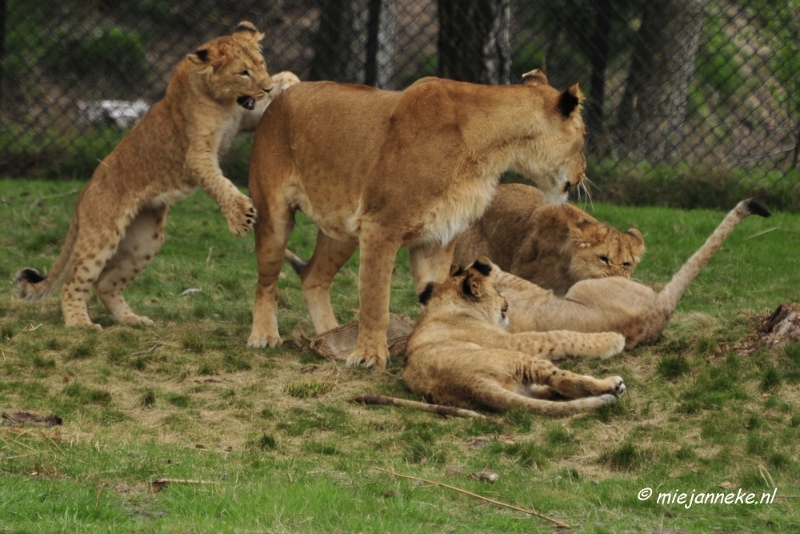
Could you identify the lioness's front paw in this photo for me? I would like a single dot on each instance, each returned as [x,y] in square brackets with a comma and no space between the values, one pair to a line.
[261,340]
[242,218]
[135,320]
[363,359]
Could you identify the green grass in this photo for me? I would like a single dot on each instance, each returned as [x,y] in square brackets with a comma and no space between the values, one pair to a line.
[280,449]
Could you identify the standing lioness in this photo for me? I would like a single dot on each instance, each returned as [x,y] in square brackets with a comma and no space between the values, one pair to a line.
[383,169]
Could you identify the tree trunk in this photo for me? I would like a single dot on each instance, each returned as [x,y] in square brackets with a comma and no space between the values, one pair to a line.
[355,42]
[653,108]
[474,44]
[595,126]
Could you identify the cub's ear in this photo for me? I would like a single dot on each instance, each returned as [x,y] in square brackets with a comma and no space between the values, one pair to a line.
[483,265]
[248,30]
[426,294]
[636,240]
[570,101]
[455,270]
[472,286]
[200,56]
[534,77]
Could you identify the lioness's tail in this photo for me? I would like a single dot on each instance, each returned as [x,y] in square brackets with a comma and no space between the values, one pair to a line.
[294,260]
[30,284]
[673,291]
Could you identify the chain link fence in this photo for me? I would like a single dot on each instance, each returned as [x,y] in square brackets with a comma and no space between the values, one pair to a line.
[689,102]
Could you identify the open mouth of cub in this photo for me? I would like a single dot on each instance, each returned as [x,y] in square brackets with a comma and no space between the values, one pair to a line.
[247,101]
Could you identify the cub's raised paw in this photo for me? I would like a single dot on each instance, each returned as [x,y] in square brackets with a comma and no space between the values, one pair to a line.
[243,217]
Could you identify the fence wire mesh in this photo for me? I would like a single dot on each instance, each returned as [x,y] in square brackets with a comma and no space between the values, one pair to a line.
[689,102]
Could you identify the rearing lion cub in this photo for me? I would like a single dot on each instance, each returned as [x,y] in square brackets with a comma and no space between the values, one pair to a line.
[460,354]
[381,169]
[552,245]
[119,220]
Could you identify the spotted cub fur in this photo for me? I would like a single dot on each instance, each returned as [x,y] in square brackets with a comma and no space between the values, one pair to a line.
[118,225]
[552,245]
[461,354]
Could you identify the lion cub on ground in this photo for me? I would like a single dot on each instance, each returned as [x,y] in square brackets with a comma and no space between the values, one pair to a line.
[613,304]
[119,220]
[552,245]
[460,354]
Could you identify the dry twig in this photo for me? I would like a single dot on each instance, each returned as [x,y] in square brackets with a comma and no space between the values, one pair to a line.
[148,351]
[423,406]
[557,523]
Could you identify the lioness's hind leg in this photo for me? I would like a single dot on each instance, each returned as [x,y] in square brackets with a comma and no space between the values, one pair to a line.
[143,239]
[328,258]
[272,233]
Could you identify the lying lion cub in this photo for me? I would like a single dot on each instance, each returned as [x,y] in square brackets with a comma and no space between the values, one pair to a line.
[551,245]
[613,304]
[381,170]
[460,354]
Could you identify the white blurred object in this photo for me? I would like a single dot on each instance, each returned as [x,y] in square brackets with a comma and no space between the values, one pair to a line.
[123,113]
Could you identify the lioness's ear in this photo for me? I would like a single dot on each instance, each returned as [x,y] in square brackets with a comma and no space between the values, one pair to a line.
[569,101]
[425,296]
[534,77]
[248,29]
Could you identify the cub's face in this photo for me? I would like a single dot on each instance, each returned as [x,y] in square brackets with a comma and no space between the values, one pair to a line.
[600,251]
[470,292]
[234,68]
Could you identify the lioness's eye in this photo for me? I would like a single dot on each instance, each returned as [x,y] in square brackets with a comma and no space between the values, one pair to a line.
[245,73]
[604,259]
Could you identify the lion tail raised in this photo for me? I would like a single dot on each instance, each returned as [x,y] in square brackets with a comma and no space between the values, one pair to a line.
[671,294]
[30,284]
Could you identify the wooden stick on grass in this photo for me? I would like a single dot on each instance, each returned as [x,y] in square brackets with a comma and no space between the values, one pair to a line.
[423,406]
[557,523]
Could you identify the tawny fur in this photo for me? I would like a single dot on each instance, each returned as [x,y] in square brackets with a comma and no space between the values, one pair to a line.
[118,225]
[382,169]
[613,304]
[552,245]
[460,354]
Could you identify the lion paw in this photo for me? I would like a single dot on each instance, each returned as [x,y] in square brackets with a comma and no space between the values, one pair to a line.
[136,320]
[262,340]
[608,398]
[374,360]
[243,217]
[617,385]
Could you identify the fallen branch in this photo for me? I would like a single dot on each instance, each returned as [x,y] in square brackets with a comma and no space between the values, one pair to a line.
[148,351]
[557,523]
[422,406]
[158,485]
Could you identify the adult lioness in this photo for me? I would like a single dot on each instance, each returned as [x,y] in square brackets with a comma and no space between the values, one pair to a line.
[551,245]
[382,169]
[119,220]
[613,304]
[460,353]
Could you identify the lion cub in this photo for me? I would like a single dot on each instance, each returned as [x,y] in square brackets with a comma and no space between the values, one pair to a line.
[118,226]
[552,245]
[460,353]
